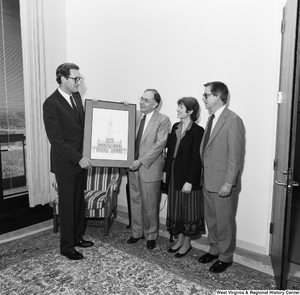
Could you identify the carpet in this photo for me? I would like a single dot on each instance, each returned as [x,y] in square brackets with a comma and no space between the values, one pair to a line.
[33,265]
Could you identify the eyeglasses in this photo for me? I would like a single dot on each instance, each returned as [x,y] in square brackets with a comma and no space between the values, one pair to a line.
[207,95]
[145,100]
[76,79]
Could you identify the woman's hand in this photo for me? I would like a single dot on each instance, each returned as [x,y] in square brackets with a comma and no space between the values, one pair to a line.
[187,188]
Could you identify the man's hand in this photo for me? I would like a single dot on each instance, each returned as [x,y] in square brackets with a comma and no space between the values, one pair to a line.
[85,163]
[135,165]
[225,190]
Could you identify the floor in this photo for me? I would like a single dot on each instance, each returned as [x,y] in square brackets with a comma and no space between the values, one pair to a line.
[244,257]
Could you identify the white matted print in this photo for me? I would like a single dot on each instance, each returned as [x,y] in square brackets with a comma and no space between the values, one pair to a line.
[109,134]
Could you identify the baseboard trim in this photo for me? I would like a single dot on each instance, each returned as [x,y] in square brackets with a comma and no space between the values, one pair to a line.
[251,247]
[239,244]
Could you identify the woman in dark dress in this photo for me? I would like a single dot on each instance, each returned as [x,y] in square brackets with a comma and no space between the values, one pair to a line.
[182,171]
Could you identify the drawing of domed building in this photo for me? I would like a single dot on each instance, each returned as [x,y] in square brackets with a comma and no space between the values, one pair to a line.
[109,145]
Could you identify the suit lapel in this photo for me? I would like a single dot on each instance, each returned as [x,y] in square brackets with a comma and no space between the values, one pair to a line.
[184,139]
[79,107]
[218,126]
[150,125]
[67,106]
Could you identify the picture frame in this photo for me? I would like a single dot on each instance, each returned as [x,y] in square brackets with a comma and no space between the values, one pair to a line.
[109,133]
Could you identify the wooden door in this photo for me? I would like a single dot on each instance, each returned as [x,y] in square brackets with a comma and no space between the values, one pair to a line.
[285,146]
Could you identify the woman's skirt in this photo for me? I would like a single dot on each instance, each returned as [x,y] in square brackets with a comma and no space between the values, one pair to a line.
[185,214]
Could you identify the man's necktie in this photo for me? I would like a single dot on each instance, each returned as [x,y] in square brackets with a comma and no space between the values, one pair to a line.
[139,137]
[73,104]
[207,134]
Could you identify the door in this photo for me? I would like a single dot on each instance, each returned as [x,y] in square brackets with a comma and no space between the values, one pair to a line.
[285,147]
[294,240]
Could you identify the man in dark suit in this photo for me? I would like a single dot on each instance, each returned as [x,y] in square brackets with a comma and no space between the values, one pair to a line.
[222,154]
[145,173]
[64,123]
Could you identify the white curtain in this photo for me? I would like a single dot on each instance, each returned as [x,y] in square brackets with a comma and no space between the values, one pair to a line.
[37,148]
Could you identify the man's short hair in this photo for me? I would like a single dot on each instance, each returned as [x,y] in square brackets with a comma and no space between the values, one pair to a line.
[64,70]
[218,88]
[156,95]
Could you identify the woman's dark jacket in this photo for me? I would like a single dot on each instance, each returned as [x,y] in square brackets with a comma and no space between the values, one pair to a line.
[187,166]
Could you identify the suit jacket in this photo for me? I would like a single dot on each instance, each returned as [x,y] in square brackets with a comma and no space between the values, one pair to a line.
[224,153]
[187,165]
[152,144]
[64,129]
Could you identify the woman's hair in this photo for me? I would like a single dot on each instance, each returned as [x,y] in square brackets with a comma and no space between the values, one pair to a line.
[191,104]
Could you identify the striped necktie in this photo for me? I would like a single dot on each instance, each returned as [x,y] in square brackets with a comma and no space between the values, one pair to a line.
[139,137]
[73,104]
[207,134]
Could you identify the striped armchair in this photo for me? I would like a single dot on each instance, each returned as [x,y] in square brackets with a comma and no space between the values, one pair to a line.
[101,200]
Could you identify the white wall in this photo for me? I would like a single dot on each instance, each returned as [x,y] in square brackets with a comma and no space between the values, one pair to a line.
[175,46]
[55,47]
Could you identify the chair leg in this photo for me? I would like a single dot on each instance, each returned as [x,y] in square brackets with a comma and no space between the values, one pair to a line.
[106,225]
[55,223]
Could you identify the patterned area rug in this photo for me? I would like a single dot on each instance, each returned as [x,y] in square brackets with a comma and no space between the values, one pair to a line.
[33,265]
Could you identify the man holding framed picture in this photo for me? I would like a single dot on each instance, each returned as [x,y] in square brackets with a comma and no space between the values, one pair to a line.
[64,124]
[145,173]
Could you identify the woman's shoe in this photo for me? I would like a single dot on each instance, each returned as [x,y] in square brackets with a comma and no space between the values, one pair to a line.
[178,255]
[170,250]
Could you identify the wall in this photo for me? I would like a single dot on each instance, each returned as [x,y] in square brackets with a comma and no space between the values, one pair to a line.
[55,46]
[175,46]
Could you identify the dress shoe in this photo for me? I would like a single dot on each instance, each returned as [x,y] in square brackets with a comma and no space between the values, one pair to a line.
[170,250]
[133,240]
[151,244]
[179,255]
[73,255]
[207,258]
[84,244]
[219,266]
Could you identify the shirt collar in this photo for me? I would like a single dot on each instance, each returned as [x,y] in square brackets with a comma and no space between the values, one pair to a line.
[64,94]
[219,112]
[149,116]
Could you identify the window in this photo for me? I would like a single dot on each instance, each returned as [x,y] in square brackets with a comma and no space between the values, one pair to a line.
[12,112]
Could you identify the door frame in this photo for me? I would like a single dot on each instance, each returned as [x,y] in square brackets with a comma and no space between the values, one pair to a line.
[282,195]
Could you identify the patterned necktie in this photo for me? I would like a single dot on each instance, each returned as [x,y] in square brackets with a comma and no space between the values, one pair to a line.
[73,104]
[139,137]
[207,134]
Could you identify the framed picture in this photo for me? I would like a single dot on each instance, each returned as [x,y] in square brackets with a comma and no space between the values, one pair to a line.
[109,133]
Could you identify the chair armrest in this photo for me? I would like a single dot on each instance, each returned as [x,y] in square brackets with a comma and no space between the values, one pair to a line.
[113,185]
[115,182]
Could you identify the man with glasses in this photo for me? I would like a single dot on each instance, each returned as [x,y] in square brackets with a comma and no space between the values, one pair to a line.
[64,123]
[145,173]
[222,153]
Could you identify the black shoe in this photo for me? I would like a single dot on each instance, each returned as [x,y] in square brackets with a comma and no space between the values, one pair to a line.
[133,240]
[73,255]
[170,250]
[151,244]
[179,255]
[219,266]
[84,244]
[207,258]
